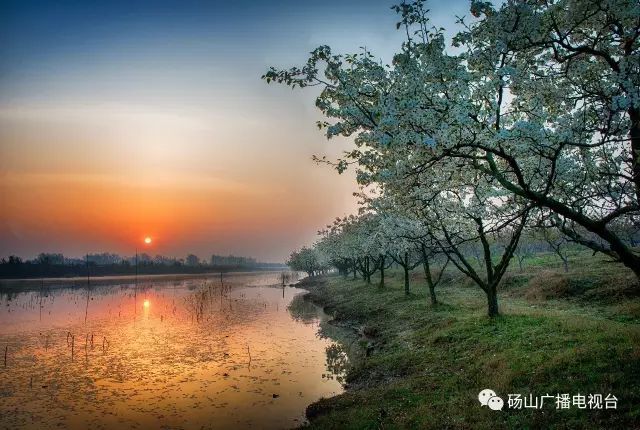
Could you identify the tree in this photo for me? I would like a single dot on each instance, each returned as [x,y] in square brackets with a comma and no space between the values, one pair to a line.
[306,260]
[543,102]
[561,122]
[526,248]
[417,237]
[557,244]
[192,260]
[403,251]
[340,244]
[144,259]
[461,210]
[378,244]
[104,258]
[50,259]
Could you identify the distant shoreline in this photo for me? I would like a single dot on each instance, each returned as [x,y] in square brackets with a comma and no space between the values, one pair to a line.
[81,281]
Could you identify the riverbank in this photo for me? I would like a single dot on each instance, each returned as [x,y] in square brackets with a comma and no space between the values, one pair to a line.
[570,333]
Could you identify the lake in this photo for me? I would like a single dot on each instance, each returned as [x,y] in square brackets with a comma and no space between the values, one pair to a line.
[231,351]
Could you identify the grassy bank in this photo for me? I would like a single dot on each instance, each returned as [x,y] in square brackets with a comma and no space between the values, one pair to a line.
[423,367]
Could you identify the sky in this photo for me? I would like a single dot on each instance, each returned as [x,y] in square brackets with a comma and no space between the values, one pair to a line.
[121,120]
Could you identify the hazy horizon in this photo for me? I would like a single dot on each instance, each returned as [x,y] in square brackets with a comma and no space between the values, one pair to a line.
[204,258]
[120,121]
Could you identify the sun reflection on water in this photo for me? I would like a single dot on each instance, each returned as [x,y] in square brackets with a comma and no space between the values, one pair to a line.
[237,357]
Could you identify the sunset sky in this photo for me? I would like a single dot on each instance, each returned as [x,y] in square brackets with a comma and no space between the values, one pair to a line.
[120,120]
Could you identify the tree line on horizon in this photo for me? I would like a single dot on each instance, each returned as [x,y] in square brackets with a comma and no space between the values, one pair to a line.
[98,264]
[528,127]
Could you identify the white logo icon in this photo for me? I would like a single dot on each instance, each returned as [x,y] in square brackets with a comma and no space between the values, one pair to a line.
[489,398]
[485,395]
[495,403]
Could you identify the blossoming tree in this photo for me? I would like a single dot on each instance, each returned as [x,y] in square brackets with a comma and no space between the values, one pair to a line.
[542,101]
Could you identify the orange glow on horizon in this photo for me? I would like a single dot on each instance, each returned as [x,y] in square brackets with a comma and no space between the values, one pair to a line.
[70,213]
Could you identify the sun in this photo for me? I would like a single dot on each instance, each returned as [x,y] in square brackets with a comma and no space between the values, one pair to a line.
[147,240]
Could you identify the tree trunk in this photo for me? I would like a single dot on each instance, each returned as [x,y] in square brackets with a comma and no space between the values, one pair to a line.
[492,301]
[366,268]
[432,294]
[381,272]
[406,273]
[427,275]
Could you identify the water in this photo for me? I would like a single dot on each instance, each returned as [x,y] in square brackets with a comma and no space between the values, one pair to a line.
[192,354]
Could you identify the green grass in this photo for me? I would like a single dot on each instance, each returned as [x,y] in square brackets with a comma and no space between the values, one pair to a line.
[426,365]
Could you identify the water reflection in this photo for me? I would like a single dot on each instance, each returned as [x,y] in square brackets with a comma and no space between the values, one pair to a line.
[337,362]
[201,353]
